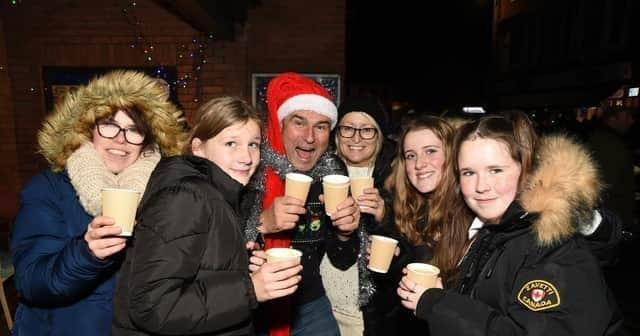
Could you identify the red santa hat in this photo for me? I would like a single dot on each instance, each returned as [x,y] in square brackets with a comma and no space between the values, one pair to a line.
[289,92]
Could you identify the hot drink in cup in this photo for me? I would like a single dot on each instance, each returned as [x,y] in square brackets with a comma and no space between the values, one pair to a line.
[121,205]
[382,250]
[278,254]
[359,184]
[297,185]
[335,189]
[423,274]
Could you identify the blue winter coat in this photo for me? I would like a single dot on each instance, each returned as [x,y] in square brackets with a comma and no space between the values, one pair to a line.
[64,289]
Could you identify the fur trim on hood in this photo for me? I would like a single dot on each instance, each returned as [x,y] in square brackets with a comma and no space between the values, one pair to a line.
[563,189]
[72,121]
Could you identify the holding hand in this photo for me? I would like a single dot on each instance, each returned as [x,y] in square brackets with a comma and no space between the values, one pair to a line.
[372,203]
[275,280]
[396,252]
[258,256]
[410,291]
[282,215]
[101,237]
[346,218]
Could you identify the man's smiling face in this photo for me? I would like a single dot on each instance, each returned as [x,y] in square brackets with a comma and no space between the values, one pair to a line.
[305,135]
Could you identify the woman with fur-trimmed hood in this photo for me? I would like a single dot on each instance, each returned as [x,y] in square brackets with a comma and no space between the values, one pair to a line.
[525,269]
[109,133]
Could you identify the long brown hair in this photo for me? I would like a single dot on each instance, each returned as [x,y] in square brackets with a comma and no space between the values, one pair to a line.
[511,128]
[409,205]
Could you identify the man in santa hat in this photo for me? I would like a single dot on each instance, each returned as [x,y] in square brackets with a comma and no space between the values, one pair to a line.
[301,115]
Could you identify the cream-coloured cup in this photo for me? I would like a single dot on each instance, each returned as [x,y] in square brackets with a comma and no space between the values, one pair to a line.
[423,274]
[297,185]
[335,189]
[121,205]
[359,184]
[278,254]
[382,250]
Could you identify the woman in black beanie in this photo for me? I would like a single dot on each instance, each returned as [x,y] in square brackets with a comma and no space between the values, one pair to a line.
[361,143]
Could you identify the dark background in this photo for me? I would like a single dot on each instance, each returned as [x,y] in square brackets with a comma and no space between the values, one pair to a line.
[432,54]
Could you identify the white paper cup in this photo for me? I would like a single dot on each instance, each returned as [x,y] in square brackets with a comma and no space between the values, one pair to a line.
[382,250]
[278,254]
[359,184]
[121,205]
[423,274]
[335,189]
[297,185]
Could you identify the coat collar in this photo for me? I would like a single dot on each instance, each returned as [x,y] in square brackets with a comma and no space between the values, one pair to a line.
[514,220]
[562,190]
[228,187]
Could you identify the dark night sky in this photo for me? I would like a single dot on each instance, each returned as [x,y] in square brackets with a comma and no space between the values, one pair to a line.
[435,54]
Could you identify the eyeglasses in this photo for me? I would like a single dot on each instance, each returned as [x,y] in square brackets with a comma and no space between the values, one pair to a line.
[366,133]
[111,131]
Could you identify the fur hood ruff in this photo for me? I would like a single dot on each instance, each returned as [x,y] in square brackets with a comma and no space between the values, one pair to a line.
[72,121]
[563,189]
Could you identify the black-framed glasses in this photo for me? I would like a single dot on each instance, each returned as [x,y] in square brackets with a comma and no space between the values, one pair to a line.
[111,131]
[366,133]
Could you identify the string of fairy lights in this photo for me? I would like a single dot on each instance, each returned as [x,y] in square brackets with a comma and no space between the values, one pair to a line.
[194,52]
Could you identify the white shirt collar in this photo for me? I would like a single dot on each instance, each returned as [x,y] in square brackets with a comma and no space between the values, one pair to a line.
[476,225]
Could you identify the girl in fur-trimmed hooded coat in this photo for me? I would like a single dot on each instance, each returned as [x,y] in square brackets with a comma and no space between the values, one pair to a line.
[109,133]
[526,270]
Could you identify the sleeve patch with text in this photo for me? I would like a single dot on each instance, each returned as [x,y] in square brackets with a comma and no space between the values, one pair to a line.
[539,295]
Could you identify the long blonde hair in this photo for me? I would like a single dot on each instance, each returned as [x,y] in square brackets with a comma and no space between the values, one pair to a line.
[409,205]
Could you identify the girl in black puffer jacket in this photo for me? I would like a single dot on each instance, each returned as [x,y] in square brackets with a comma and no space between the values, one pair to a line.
[186,270]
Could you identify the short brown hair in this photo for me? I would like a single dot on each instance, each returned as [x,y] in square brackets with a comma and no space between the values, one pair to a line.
[138,120]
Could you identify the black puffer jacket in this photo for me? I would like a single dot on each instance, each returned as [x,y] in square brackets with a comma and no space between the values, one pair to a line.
[532,274]
[186,269]
[511,285]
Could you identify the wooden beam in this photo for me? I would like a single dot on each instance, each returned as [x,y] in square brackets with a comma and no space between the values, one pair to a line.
[206,19]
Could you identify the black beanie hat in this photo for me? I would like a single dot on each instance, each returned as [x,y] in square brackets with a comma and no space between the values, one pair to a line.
[367,104]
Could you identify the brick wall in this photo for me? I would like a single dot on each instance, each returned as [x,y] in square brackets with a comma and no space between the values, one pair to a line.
[305,36]
[8,167]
